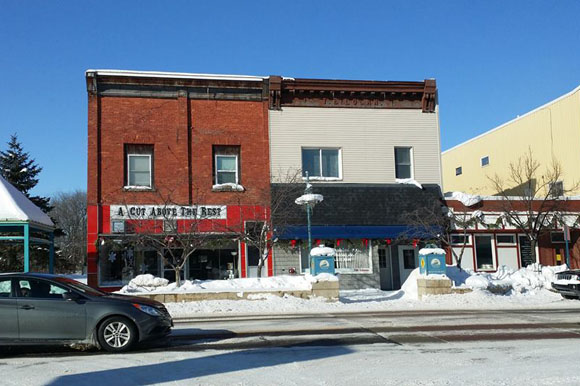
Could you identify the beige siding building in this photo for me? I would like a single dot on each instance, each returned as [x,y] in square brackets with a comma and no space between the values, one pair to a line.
[551,131]
[366,140]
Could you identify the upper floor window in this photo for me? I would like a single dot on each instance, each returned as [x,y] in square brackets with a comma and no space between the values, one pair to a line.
[458,171]
[321,163]
[485,161]
[403,162]
[226,164]
[139,166]
[556,188]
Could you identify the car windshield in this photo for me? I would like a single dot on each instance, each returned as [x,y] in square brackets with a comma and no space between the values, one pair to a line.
[85,289]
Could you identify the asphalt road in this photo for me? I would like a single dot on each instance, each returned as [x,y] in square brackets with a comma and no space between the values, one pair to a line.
[397,328]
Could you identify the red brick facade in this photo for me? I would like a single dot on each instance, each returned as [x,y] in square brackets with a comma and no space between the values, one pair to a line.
[182,132]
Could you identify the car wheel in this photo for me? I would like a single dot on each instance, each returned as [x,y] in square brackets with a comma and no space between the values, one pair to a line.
[569,297]
[117,334]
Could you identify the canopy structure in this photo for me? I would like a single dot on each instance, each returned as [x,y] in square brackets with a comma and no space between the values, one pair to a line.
[22,221]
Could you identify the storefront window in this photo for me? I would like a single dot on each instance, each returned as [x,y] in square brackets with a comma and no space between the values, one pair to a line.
[350,257]
[213,264]
[118,265]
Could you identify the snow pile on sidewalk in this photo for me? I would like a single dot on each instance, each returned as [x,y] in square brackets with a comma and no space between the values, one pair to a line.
[151,284]
[530,279]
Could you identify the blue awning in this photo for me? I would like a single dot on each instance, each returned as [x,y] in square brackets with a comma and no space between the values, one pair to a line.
[351,232]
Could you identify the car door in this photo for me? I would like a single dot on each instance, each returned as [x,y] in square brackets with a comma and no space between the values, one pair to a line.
[8,312]
[43,313]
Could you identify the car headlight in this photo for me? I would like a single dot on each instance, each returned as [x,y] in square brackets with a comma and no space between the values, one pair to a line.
[147,309]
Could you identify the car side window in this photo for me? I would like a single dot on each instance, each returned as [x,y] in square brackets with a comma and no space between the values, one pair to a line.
[40,289]
[5,288]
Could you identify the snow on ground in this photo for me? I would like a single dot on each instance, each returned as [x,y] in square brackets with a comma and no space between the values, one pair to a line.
[514,363]
[529,289]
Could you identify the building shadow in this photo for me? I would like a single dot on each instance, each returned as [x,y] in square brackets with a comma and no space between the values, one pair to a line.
[190,369]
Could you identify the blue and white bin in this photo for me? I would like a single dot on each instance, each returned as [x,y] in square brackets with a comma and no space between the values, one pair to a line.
[322,260]
[432,261]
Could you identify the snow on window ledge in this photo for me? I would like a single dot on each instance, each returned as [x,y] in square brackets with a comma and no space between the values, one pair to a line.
[408,181]
[322,178]
[138,188]
[227,187]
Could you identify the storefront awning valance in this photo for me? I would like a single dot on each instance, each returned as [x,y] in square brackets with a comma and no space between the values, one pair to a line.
[351,232]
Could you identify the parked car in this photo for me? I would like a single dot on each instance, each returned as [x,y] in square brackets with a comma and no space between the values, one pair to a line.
[567,283]
[52,309]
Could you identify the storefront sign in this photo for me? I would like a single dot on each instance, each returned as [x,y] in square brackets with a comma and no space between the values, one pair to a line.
[168,212]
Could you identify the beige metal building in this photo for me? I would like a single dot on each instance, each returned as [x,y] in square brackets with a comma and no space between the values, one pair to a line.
[551,131]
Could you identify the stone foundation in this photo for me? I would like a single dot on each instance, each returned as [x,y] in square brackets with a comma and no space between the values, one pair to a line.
[325,289]
[438,286]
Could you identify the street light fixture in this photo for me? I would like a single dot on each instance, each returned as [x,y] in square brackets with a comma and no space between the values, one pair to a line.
[309,200]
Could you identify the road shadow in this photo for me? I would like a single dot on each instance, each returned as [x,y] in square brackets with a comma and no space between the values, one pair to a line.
[390,295]
[186,336]
[190,369]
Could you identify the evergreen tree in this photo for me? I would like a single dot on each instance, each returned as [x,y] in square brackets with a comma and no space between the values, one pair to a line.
[20,170]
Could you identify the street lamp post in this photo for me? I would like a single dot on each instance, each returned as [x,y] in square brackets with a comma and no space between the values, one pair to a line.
[309,200]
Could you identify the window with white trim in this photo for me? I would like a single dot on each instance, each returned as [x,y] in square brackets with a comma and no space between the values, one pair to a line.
[139,166]
[348,258]
[226,165]
[505,239]
[458,171]
[403,162]
[460,239]
[226,169]
[321,163]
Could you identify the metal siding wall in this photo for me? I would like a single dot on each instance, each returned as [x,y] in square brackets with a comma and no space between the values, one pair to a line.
[367,138]
[551,131]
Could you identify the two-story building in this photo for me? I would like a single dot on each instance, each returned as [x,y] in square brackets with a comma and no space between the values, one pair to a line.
[371,148]
[186,144]
[190,143]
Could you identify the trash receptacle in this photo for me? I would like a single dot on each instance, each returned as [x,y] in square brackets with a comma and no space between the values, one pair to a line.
[322,260]
[432,261]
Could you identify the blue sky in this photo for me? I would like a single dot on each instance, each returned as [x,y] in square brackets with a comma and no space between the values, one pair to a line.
[492,60]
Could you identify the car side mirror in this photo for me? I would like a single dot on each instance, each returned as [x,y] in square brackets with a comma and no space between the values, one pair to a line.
[71,296]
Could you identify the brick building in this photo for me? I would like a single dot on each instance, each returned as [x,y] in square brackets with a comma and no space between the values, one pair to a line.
[156,138]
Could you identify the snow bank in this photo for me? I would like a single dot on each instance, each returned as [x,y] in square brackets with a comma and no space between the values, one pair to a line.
[309,199]
[151,284]
[466,199]
[531,279]
[408,181]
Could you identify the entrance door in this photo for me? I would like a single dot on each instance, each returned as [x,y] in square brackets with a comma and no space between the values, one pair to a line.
[526,257]
[253,259]
[484,252]
[407,261]
[385,269]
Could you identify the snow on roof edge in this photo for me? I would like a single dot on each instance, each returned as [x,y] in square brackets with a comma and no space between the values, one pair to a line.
[183,75]
[19,207]
[514,120]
